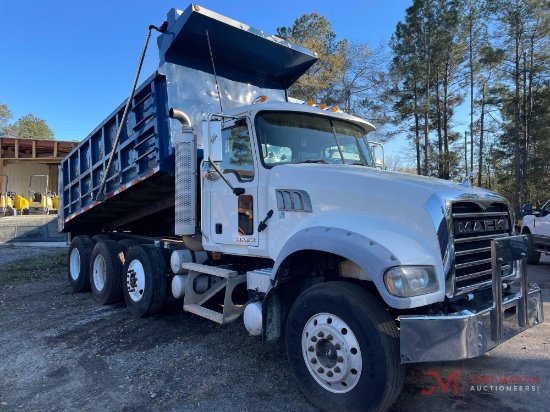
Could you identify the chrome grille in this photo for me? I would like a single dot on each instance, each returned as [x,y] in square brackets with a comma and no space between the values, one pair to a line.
[474,226]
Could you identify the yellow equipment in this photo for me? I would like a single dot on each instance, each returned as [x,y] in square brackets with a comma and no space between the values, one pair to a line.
[20,204]
[6,200]
[41,202]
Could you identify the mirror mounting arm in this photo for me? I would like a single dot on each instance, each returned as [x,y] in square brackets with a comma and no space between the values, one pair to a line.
[237,191]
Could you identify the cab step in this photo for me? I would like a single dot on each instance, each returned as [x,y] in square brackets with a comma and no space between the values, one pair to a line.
[229,279]
[204,312]
[210,270]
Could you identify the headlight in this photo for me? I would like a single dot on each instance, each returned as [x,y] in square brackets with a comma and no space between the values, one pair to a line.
[405,281]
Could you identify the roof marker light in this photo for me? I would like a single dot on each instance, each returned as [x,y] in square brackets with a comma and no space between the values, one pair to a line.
[334,109]
[260,99]
[197,8]
[310,103]
[323,106]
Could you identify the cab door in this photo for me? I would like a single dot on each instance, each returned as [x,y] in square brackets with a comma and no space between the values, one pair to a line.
[543,223]
[233,220]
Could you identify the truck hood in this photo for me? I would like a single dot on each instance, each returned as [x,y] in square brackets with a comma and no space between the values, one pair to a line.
[387,218]
[368,181]
[389,207]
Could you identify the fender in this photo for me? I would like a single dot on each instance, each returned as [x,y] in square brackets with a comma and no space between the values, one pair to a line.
[373,258]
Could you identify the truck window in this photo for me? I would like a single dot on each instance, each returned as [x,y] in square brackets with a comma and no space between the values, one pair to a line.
[293,137]
[276,154]
[246,215]
[237,153]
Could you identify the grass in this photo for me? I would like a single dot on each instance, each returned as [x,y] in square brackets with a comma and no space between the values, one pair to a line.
[26,270]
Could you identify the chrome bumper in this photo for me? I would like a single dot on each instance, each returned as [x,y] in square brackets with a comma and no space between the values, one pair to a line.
[466,334]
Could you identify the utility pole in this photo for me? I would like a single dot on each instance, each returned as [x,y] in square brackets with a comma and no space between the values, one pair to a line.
[466,151]
[471,149]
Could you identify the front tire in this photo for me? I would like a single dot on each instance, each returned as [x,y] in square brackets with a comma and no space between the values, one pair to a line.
[106,272]
[144,280]
[343,348]
[78,263]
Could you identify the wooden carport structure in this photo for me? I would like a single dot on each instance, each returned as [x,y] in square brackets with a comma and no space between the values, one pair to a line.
[21,158]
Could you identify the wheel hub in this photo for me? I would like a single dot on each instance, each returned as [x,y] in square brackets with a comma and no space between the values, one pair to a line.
[132,282]
[332,353]
[135,280]
[326,353]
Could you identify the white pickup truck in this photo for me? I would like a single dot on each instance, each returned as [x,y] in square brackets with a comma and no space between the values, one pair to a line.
[536,225]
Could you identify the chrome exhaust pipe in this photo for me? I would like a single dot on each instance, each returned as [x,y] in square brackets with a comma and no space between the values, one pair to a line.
[180,116]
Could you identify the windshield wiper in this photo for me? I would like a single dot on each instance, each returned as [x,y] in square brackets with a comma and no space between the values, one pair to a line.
[358,164]
[313,161]
[337,143]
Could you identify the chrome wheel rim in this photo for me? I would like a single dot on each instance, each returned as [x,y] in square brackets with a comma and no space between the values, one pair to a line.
[332,353]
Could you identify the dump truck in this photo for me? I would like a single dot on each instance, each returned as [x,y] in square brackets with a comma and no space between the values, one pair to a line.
[211,185]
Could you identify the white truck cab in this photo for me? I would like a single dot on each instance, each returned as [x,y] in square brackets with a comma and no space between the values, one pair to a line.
[310,182]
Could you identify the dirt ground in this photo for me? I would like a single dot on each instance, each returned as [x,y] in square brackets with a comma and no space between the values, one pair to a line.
[60,351]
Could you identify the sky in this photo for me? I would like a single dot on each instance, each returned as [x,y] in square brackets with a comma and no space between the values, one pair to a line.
[72,62]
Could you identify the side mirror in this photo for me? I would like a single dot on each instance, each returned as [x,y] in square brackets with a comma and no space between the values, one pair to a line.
[537,213]
[527,209]
[379,163]
[212,135]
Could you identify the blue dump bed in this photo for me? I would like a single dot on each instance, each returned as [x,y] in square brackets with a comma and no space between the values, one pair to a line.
[141,173]
[140,184]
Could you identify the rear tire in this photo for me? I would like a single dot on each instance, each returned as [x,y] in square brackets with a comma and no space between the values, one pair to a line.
[343,348]
[100,236]
[126,244]
[144,280]
[78,263]
[106,272]
[533,256]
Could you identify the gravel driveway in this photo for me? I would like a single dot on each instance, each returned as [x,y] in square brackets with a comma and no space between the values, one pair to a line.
[61,351]
[9,253]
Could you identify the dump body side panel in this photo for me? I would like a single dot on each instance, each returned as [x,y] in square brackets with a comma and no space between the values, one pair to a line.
[143,158]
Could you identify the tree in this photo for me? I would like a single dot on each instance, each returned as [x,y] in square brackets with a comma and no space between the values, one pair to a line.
[449,56]
[5,117]
[362,75]
[314,32]
[405,72]
[475,31]
[488,61]
[26,127]
[428,54]
[522,30]
[31,127]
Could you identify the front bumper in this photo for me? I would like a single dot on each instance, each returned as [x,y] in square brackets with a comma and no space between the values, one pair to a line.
[467,334]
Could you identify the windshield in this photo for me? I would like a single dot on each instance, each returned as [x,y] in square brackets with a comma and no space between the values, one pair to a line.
[290,137]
